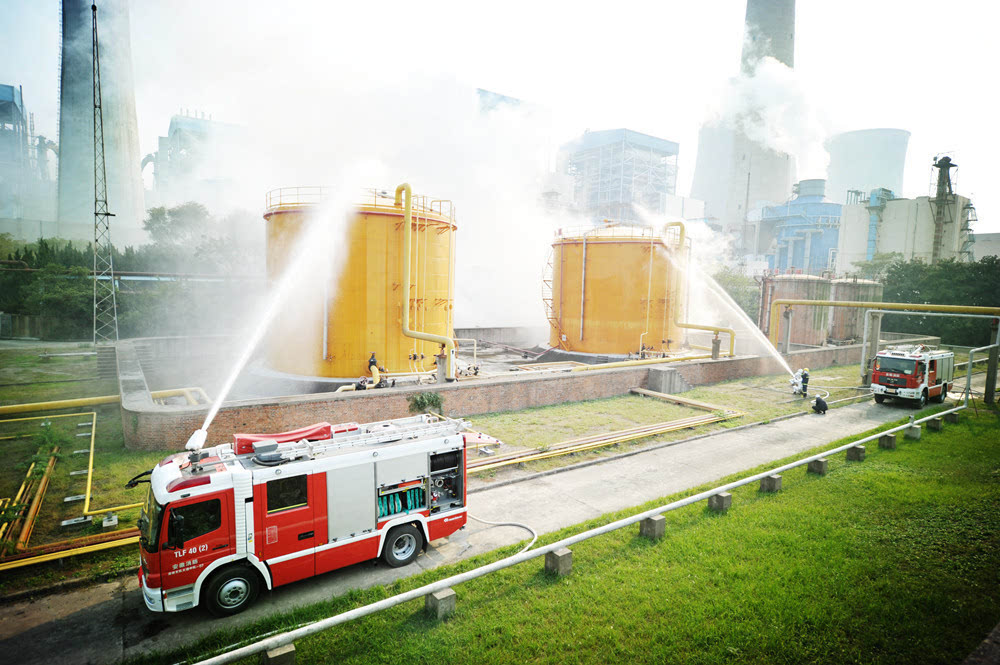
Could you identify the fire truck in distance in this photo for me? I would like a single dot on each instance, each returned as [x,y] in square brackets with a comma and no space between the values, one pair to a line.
[221,523]
[918,373]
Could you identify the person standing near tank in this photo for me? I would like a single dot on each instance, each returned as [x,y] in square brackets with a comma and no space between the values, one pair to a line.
[805,382]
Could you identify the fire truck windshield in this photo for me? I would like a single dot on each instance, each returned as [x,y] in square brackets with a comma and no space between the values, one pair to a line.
[898,365]
[150,517]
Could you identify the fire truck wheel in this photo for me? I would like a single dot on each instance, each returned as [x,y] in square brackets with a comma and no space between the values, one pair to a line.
[943,394]
[231,590]
[922,402]
[879,399]
[402,545]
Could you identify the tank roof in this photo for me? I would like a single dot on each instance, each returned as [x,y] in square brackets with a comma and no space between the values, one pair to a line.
[803,278]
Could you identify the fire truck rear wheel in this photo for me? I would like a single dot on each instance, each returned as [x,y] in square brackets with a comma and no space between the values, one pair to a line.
[943,394]
[402,545]
[879,399]
[231,590]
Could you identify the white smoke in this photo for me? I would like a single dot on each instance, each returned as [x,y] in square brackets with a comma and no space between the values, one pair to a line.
[770,105]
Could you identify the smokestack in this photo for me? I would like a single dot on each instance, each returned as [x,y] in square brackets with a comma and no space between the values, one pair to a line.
[76,123]
[769,31]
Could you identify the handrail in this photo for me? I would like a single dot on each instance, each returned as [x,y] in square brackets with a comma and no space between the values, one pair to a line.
[319,626]
[447,342]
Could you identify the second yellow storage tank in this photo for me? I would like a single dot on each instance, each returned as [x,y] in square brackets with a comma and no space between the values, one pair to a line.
[611,290]
[331,328]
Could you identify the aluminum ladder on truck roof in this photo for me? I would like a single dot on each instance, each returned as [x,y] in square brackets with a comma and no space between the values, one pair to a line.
[385,431]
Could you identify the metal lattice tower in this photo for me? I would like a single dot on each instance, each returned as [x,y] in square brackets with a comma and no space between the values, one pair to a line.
[105,304]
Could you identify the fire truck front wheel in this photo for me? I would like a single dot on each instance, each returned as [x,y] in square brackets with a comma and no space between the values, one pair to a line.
[879,398]
[402,545]
[921,401]
[231,590]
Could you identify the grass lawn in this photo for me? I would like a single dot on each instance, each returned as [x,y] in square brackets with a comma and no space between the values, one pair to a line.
[761,398]
[892,560]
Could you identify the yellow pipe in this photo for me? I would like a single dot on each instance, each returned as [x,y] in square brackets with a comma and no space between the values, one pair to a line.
[36,503]
[89,401]
[447,342]
[52,556]
[897,306]
[22,491]
[343,389]
[677,298]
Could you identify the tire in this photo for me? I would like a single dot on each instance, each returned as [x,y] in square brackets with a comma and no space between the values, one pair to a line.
[231,590]
[402,545]
[922,401]
[879,398]
[943,395]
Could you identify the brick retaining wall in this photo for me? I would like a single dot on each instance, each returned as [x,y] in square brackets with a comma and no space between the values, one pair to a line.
[149,426]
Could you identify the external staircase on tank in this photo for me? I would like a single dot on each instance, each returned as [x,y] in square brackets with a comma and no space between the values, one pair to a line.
[547,301]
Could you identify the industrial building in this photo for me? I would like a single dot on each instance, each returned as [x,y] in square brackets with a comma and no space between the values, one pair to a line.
[928,228]
[192,162]
[27,189]
[802,233]
[125,193]
[733,174]
[617,172]
[986,244]
[864,160]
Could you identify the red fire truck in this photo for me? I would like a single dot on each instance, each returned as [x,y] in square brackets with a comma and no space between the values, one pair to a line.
[918,373]
[221,523]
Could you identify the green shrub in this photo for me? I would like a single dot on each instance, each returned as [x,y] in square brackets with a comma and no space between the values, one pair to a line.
[426,403]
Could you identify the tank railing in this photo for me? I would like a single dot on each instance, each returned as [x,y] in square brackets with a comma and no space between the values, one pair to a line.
[313,195]
[616,231]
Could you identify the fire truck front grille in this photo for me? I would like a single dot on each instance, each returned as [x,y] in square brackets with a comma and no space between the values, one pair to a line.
[893,381]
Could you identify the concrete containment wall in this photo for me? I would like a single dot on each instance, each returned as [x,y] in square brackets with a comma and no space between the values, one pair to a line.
[149,426]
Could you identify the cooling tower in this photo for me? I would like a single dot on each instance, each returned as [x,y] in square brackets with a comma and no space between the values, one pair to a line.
[864,160]
[76,123]
[330,329]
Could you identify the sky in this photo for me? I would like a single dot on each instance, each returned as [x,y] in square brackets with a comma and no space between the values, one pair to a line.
[655,67]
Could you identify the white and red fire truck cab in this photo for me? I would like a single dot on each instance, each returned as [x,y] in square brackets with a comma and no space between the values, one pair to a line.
[918,373]
[266,510]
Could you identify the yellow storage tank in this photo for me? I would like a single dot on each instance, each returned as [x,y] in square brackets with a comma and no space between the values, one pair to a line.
[611,290]
[331,329]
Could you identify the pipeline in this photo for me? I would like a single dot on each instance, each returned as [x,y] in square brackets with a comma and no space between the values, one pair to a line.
[894,306]
[11,409]
[36,503]
[447,342]
[677,299]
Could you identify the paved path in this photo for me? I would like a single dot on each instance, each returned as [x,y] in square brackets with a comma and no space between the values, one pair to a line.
[103,623]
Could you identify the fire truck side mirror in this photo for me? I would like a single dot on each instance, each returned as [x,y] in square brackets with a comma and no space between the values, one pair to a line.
[175,531]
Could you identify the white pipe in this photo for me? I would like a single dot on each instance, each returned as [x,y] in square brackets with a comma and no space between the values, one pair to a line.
[420,592]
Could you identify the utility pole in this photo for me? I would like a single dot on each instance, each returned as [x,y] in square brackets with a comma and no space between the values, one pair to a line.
[105,304]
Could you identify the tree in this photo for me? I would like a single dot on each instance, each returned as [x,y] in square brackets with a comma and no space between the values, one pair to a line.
[745,291]
[947,282]
[879,265]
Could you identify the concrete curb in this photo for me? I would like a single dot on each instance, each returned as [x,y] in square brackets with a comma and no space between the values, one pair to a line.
[666,444]
[65,585]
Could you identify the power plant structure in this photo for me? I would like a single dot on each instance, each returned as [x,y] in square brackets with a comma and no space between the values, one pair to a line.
[329,332]
[734,174]
[195,160]
[802,233]
[929,228]
[76,124]
[864,160]
[27,188]
[618,171]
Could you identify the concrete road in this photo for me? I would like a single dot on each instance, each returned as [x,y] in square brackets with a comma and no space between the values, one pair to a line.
[103,623]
